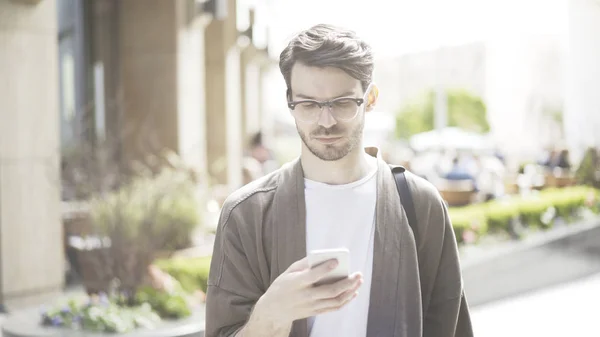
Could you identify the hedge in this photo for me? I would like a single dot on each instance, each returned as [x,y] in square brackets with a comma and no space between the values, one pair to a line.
[539,210]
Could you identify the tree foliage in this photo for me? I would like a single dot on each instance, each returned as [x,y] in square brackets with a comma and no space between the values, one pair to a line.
[465,110]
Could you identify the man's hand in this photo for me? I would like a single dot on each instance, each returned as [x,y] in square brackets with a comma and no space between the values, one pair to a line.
[293,295]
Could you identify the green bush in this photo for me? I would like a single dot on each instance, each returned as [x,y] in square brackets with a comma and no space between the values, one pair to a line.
[191,272]
[500,214]
[569,201]
[167,305]
[532,209]
[466,219]
[166,199]
[588,171]
[536,211]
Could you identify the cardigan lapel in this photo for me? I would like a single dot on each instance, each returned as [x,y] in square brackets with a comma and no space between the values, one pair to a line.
[387,256]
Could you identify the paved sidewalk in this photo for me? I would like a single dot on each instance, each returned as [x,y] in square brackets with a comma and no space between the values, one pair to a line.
[569,309]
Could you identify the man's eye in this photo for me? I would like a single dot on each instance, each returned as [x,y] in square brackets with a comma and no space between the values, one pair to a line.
[308,105]
[344,103]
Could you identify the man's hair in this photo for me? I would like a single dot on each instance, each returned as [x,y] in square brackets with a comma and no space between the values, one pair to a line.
[328,46]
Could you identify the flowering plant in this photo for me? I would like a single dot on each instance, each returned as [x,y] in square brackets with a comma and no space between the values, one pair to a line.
[118,313]
[100,314]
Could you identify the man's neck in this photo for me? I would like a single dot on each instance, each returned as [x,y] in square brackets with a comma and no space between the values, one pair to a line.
[351,168]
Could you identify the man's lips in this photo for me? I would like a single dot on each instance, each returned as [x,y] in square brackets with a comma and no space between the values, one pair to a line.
[327,140]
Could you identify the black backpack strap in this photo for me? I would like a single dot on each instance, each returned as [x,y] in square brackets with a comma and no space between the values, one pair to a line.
[406,198]
[464,326]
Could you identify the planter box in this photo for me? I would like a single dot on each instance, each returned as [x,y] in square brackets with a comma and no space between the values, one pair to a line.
[92,269]
[27,324]
[545,259]
[90,257]
[76,224]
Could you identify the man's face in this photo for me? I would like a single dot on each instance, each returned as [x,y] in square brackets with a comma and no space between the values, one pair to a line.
[325,137]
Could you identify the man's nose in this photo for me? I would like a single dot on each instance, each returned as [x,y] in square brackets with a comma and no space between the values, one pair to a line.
[326,119]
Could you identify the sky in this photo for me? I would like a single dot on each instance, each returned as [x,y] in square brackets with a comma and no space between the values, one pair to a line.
[395,27]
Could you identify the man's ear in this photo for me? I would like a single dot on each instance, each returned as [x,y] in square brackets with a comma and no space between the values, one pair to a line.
[372,97]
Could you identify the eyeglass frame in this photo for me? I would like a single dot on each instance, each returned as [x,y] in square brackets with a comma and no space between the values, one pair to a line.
[329,103]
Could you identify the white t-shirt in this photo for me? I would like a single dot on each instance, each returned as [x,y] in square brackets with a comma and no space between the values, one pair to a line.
[343,216]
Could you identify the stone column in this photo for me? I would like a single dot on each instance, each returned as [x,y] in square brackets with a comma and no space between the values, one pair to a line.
[162,79]
[251,92]
[31,243]
[582,101]
[223,98]
[192,89]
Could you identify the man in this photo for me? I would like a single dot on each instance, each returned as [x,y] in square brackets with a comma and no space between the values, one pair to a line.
[460,172]
[335,195]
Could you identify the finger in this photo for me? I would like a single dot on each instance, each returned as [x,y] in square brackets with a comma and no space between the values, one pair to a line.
[336,289]
[336,303]
[316,273]
[298,265]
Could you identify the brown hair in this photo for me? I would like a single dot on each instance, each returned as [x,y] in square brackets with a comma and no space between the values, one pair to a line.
[328,46]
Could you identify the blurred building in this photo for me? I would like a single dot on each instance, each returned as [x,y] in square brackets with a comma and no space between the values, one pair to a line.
[520,78]
[407,76]
[184,75]
[582,104]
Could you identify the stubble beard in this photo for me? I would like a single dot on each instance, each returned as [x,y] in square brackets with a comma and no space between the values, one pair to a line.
[332,152]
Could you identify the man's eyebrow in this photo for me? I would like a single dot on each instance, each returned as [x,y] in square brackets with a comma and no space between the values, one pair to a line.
[345,94]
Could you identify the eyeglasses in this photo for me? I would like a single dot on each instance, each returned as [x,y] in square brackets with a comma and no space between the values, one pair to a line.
[342,108]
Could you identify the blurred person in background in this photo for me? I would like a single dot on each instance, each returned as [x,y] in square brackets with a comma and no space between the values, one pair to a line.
[259,160]
[557,159]
[562,160]
[460,171]
[262,153]
[336,194]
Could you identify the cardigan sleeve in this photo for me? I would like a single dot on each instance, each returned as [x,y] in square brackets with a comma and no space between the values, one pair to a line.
[234,285]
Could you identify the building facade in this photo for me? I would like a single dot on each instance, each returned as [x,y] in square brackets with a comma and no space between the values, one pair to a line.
[582,104]
[152,74]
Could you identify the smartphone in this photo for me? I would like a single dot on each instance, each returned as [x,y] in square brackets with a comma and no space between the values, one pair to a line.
[342,271]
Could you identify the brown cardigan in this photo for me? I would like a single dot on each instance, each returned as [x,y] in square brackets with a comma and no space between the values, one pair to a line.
[262,231]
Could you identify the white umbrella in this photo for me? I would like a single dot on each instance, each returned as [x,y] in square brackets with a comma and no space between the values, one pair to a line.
[451,138]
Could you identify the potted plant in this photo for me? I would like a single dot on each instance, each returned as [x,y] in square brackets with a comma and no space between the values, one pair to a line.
[132,217]
[154,210]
